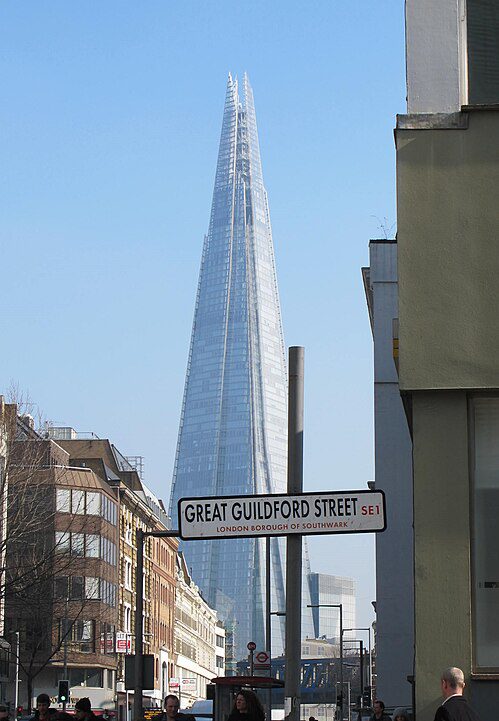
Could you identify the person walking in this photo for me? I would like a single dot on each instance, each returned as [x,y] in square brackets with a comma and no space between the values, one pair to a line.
[455,707]
[43,710]
[400,714]
[247,707]
[379,712]
[83,710]
[171,712]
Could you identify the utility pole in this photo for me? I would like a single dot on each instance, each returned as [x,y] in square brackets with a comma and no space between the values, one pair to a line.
[16,689]
[294,541]
[138,711]
[268,625]
[339,697]
[65,657]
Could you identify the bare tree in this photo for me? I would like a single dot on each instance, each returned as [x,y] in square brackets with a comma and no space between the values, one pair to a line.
[42,581]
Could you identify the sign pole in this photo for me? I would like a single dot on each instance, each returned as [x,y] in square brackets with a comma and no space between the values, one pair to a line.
[294,542]
[138,710]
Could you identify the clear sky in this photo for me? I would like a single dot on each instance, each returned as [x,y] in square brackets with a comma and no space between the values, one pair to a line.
[110,118]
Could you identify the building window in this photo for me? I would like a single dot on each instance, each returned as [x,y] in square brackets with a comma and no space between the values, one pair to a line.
[127,618]
[81,637]
[78,501]
[93,503]
[483,51]
[63,500]
[77,587]
[92,545]
[485,537]
[92,677]
[127,567]
[219,661]
[92,588]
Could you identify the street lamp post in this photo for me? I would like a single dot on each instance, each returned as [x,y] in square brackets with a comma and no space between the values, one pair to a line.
[138,710]
[368,629]
[340,607]
[269,642]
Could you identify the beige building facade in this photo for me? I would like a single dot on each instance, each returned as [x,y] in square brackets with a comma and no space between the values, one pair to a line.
[199,640]
[448,269]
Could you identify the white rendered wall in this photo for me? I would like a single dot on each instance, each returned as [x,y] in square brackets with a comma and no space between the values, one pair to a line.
[433,57]
[393,462]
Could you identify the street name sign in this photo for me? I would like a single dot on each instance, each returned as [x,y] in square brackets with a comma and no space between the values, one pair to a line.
[282,515]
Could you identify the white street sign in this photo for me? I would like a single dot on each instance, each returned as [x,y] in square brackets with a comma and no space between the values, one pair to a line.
[188,685]
[123,642]
[282,515]
[174,684]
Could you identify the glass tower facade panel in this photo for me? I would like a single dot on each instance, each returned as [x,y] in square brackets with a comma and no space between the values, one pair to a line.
[324,590]
[233,427]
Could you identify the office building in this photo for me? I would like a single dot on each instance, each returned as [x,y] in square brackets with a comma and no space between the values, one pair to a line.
[393,474]
[328,592]
[447,148]
[233,429]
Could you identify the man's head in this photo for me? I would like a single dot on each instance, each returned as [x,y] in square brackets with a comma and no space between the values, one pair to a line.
[379,707]
[172,705]
[82,707]
[42,703]
[452,681]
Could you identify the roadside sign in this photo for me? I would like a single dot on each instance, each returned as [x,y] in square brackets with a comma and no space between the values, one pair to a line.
[188,685]
[262,657]
[251,646]
[123,642]
[174,684]
[282,515]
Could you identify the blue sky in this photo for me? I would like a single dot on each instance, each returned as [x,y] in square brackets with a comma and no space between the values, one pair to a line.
[110,120]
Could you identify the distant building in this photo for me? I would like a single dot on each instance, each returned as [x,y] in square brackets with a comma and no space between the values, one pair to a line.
[139,508]
[62,572]
[327,591]
[8,416]
[233,428]
[393,474]
[199,640]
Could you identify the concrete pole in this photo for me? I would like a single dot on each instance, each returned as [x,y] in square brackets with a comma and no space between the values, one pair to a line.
[340,704]
[65,657]
[139,627]
[294,542]
[16,689]
[268,626]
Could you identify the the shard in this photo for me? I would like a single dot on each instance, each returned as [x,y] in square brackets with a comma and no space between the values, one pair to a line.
[233,427]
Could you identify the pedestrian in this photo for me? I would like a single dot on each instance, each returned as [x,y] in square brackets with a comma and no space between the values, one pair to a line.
[400,714]
[247,707]
[379,712]
[455,707]
[171,712]
[43,711]
[312,718]
[4,713]
[83,710]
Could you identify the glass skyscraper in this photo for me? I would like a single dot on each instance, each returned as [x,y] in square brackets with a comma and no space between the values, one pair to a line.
[233,427]
[326,591]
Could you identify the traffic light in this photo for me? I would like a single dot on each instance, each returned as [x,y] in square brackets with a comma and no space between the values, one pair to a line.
[63,695]
[366,698]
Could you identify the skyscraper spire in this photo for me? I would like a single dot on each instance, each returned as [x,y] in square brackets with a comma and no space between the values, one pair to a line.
[233,427]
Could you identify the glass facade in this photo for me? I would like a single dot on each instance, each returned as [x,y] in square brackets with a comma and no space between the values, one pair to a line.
[324,590]
[233,427]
